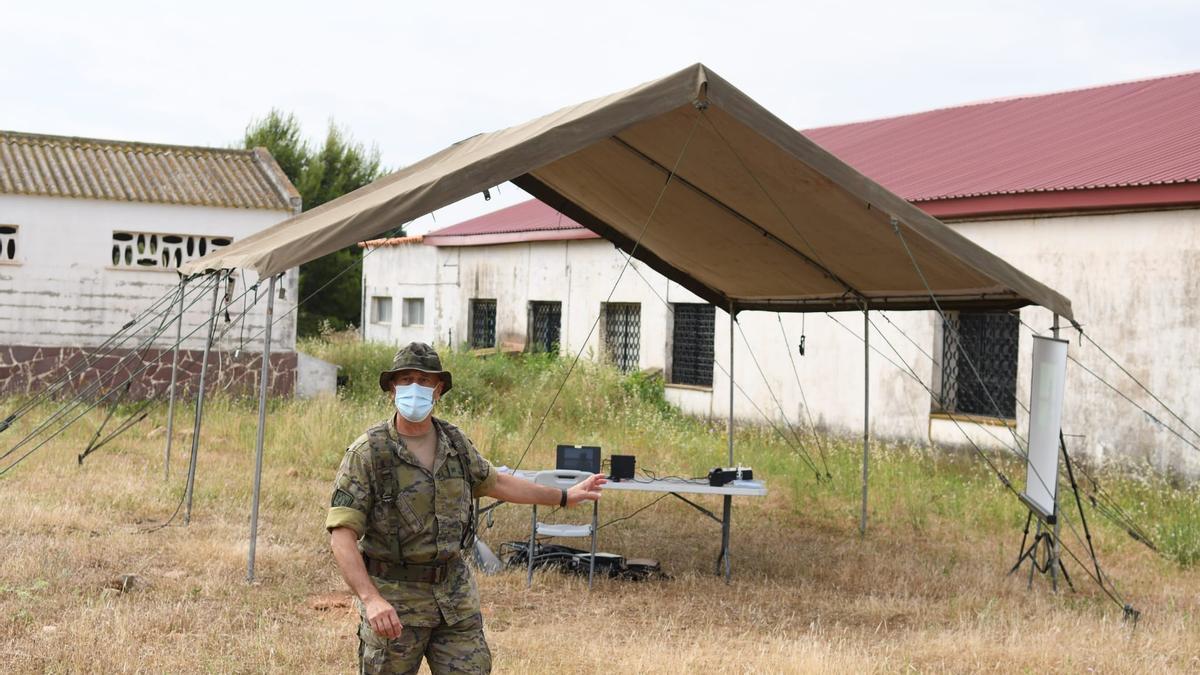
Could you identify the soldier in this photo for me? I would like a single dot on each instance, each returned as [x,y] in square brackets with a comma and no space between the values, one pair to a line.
[400,517]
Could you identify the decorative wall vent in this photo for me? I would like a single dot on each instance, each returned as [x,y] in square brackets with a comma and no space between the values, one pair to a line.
[148,250]
[8,243]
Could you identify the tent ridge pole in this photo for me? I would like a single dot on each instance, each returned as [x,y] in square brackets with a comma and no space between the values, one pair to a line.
[262,421]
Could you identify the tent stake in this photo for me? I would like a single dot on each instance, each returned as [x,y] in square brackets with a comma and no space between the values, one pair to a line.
[174,373]
[191,478]
[862,525]
[262,421]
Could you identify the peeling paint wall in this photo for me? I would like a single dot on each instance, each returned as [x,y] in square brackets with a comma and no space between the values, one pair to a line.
[1132,279]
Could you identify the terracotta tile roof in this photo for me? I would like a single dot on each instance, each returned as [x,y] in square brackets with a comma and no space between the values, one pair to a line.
[85,168]
[1131,134]
[391,241]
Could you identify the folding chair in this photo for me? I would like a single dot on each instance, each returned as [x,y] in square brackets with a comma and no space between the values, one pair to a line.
[563,479]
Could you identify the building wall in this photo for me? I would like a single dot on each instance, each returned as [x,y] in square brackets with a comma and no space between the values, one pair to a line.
[63,292]
[1131,277]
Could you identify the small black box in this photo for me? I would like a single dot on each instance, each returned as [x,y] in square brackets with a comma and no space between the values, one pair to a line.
[622,467]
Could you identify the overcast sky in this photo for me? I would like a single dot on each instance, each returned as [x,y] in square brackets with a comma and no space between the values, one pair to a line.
[414,77]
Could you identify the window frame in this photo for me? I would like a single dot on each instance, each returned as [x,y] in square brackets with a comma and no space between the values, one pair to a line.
[606,346]
[473,306]
[533,343]
[672,370]
[376,304]
[957,387]
[404,305]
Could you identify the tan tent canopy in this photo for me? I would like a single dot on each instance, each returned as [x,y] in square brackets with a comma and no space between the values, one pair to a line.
[702,184]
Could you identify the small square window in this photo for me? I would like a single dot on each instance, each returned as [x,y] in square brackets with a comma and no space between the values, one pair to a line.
[381,309]
[414,312]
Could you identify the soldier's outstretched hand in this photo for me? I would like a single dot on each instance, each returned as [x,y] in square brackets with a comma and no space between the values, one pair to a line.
[587,489]
[382,617]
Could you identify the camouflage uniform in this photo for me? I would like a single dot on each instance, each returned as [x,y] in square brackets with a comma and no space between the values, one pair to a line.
[411,521]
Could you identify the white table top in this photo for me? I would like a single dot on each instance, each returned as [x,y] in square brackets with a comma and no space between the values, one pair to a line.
[743,488]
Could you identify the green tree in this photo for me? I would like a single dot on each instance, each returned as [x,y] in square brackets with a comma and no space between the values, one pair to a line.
[321,174]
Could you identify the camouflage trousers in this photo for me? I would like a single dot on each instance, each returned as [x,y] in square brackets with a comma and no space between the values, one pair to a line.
[458,648]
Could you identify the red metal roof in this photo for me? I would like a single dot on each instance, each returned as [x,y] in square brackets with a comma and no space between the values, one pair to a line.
[1120,146]
[1127,135]
[530,216]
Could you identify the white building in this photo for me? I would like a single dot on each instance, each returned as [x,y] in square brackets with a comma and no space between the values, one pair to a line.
[92,233]
[1095,193]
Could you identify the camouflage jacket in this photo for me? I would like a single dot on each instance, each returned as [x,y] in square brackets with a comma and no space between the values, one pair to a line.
[425,521]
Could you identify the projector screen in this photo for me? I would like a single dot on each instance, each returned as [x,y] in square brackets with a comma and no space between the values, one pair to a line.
[1045,421]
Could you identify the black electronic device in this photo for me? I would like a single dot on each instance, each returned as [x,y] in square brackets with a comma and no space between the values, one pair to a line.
[578,458]
[718,476]
[622,467]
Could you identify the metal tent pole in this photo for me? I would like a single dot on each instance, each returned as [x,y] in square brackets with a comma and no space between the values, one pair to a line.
[262,421]
[1057,516]
[862,524]
[727,500]
[191,478]
[174,373]
[730,430]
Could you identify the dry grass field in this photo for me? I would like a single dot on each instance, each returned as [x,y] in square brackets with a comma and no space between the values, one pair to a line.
[925,590]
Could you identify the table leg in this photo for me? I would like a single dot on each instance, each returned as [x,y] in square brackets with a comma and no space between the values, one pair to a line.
[723,560]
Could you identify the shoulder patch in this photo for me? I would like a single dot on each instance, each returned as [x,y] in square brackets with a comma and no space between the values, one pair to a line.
[342,498]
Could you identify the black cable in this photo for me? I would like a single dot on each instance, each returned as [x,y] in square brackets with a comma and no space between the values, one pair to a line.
[812,425]
[628,259]
[800,444]
[627,517]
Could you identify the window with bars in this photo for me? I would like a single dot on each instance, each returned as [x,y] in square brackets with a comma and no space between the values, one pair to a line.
[8,243]
[381,309]
[483,323]
[623,334]
[545,326]
[414,312]
[692,343]
[152,250]
[989,342]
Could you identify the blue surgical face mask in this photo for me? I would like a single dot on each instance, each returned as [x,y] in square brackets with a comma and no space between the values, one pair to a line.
[414,402]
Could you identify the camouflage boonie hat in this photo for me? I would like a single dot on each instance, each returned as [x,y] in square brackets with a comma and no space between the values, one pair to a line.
[416,356]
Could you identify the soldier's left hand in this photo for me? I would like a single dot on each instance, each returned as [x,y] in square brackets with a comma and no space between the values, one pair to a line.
[587,489]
